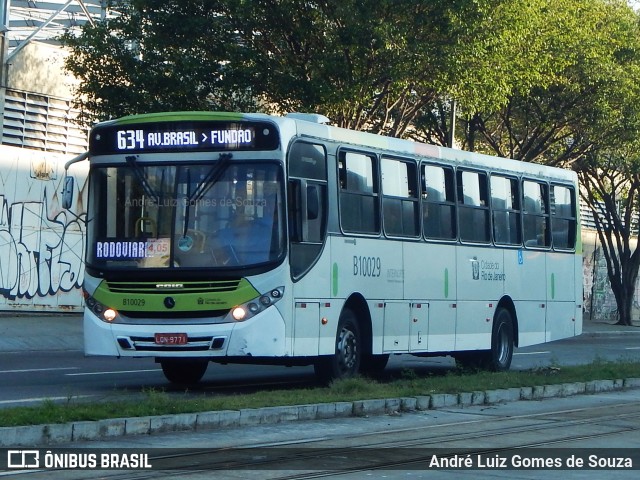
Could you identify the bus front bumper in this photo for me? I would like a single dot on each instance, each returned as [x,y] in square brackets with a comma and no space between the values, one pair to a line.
[260,336]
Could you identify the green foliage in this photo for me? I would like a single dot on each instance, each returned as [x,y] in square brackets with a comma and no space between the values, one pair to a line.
[535,75]
[549,81]
[410,383]
[153,56]
[373,64]
[575,85]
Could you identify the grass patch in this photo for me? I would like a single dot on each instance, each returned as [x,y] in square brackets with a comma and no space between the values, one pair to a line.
[409,383]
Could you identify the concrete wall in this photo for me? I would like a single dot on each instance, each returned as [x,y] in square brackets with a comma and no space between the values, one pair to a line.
[39,67]
[41,244]
[599,302]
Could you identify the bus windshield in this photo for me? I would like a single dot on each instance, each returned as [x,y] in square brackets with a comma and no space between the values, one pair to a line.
[196,216]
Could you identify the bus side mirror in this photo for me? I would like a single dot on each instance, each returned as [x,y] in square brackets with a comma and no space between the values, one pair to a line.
[67,192]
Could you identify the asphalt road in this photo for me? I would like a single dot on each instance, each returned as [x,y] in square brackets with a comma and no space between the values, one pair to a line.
[51,365]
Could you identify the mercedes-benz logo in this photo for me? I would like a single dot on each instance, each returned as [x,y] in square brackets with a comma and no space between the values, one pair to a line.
[169,302]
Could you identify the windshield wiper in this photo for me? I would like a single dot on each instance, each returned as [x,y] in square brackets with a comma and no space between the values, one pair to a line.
[186,207]
[212,177]
[138,172]
[207,182]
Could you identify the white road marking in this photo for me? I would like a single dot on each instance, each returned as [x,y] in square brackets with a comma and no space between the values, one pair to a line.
[28,370]
[110,373]
[42,399]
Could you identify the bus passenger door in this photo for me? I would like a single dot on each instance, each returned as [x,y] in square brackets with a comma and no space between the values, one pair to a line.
[561,304]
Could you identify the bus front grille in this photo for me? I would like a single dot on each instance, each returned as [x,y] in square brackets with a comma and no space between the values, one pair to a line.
[214,316]
[201,287]
[194,344]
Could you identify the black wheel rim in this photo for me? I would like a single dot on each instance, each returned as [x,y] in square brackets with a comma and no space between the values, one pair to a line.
[347,351]
[503,347]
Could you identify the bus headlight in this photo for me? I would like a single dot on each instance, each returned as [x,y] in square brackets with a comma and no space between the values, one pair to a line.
[253,307]
[105,314]
[109,314]
[238,314]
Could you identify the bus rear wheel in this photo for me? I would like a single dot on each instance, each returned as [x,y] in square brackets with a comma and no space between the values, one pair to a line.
[345,362]
[502,342]
[184,371]
[498,359]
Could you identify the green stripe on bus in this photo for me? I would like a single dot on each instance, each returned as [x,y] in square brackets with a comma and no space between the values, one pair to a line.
[334,279]
[446,283]
[184,301]
[180,116]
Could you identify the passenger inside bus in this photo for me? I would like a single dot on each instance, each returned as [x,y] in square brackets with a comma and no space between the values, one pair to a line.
[249,238]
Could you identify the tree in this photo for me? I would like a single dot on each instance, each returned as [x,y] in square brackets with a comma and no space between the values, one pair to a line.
[611,183]
[588,119]
[531,45]
[367,64]
[153,56]
[562,62]
[610,172]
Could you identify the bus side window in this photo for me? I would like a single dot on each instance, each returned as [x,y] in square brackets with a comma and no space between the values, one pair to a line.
[505,205]
[359,200]
[438,202]
[535,215]
[473,209]
[563,217]
[400,198]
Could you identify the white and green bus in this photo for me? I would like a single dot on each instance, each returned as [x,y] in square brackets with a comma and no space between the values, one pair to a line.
[248,238]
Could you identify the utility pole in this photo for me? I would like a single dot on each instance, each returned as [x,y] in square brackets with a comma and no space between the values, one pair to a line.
[4,48]
[451,141]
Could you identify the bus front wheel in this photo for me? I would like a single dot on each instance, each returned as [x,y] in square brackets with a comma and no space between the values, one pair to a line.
[374,364]
[182,371]
[345,362]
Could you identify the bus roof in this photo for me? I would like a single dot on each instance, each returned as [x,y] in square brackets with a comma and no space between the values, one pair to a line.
[308,125]
[408,147]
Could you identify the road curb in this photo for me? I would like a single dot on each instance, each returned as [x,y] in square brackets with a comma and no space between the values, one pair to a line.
[55,434]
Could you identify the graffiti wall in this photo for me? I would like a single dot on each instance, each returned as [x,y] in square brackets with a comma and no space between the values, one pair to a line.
[599,301]
[41,244]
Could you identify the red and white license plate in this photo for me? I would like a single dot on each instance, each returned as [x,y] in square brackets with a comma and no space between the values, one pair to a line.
[171,338]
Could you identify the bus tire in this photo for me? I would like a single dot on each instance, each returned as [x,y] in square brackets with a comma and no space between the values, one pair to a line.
[498,359]
[374,364]
[345,362]
[502,342]
[184,372]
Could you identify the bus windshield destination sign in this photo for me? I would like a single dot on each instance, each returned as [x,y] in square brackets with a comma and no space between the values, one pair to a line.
[184,136]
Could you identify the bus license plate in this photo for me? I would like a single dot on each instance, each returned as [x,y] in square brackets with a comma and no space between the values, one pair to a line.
[171,338]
